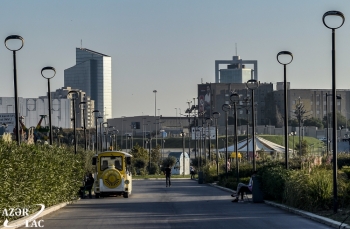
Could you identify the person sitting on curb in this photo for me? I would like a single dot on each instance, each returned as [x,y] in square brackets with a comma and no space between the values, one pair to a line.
[88,186]
[242,188]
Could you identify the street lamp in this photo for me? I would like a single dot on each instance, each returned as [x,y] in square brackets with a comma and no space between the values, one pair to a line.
[100,135]
[15,37]
[285,102]
[155,112]
[149,141]
[84,125]
[49,97]
[208,121]
[105,134]
[293,133]
[216,115]
[226,108]
[334,92]
[183,152]
[235,98]
[327,120]
[96,117]
[252,85]
[74,94]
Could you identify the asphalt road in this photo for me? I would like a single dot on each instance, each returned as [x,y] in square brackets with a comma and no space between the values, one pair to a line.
[186,204]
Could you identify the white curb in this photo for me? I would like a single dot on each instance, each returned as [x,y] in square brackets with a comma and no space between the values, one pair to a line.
[22,221]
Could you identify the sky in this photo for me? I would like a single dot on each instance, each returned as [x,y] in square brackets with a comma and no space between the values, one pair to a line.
[171,46]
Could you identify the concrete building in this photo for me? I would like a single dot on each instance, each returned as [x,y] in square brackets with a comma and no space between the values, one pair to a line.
[236,71]
[313,100]
[82,102]
[92,74]
[213,96]
[32,109]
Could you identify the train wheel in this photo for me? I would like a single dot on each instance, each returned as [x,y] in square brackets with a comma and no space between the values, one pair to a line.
[126,195]
[97,195]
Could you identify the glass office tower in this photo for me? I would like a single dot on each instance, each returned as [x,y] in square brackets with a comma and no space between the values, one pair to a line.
[92,74]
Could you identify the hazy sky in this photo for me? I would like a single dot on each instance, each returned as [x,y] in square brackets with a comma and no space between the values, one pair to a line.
[171,46]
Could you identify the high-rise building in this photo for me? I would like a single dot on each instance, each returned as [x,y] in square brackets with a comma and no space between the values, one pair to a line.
[92,74]
[236,71]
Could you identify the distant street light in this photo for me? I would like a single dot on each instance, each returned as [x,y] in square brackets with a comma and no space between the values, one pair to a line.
[226,108]
[155,113]
[235,99]
[252,85]
[100,135]
[15,37]
[208,121]
[183,152]
[105,134]
[334,92]
[285,103]
[49,97]
[74,94]
[84,125]
[96,117]
[216,115]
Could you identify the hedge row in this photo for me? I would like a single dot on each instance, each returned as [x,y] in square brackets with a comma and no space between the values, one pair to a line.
[39,174]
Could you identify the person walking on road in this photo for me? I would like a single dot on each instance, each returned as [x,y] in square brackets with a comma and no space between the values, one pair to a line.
[192,172]
[167,173]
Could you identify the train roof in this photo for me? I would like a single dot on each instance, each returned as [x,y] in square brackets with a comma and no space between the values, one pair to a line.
[114,151]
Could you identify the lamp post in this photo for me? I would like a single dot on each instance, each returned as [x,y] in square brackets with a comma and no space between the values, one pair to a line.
[327,119]
[252,85]
[74,94]
[149,141]
[111,136]
[84,125]
[299,112]
[49,97]
[100,135]
[195,126]
[334,92]
[216,115]
[226,108]
[155,112]
[208,121]
[96,116]
[183,152]
[235,98]
[15,37]
[293,133]
[285,102]
[105,134]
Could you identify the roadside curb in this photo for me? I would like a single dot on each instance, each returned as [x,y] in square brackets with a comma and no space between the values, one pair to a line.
[309,215]
[321,219]
[22,221]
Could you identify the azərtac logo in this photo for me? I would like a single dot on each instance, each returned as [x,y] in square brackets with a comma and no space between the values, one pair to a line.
[32,222]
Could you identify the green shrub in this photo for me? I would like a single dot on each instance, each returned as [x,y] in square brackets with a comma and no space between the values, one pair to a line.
[39,174]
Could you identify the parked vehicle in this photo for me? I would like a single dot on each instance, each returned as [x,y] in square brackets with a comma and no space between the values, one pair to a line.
[113,174]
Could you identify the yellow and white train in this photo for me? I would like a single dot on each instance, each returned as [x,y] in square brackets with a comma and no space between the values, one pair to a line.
[113,174]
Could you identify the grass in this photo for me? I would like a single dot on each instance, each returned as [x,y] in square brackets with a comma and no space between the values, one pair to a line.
[311,141]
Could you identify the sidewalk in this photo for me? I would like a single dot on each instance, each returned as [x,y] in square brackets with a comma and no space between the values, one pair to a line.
[324,220]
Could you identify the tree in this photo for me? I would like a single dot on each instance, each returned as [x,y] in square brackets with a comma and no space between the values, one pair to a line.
[300,113]
[341,120]
[304,148]
[314,122]
[168,161]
